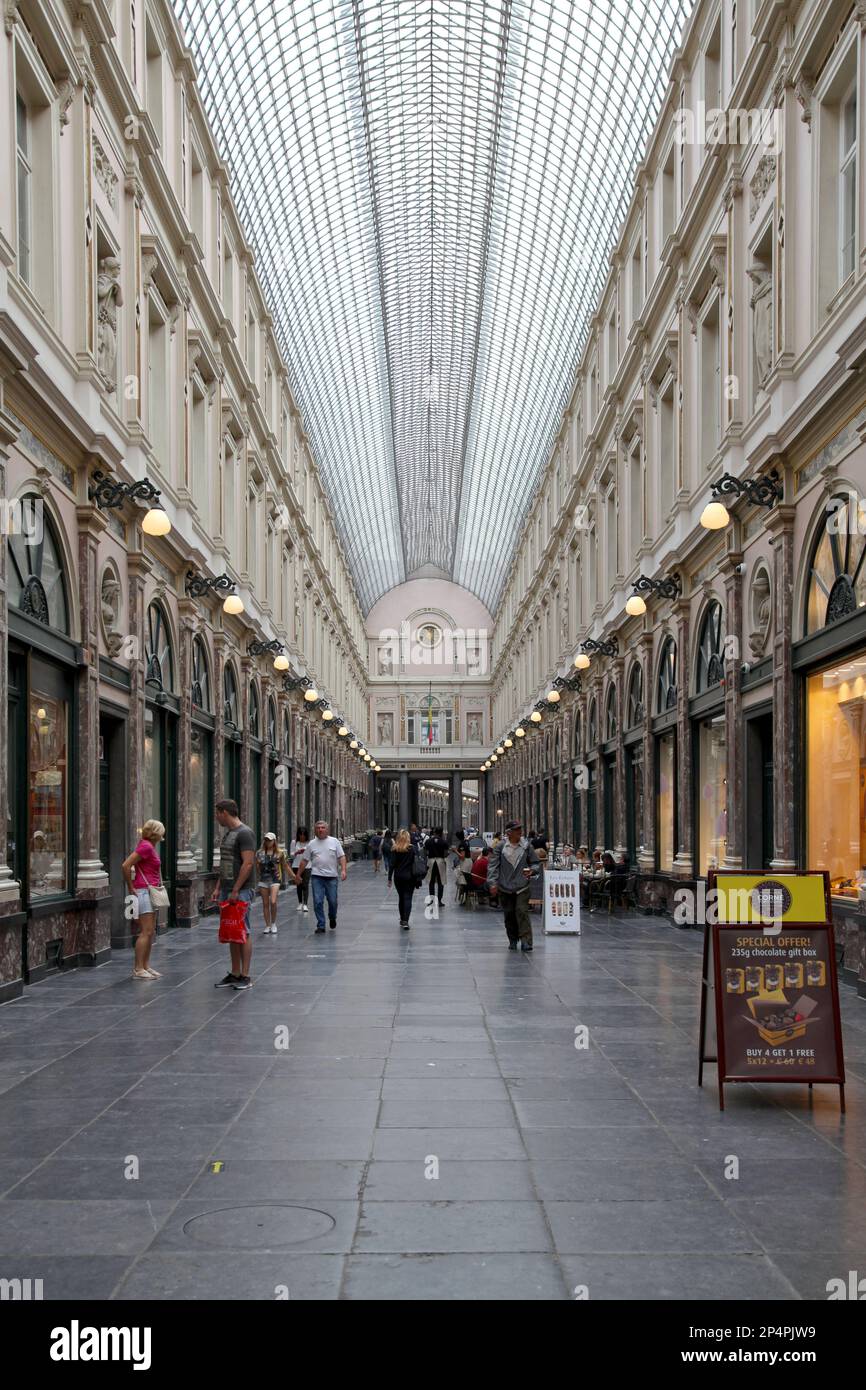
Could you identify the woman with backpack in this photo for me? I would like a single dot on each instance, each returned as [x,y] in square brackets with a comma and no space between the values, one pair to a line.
[402,873]
[387,848]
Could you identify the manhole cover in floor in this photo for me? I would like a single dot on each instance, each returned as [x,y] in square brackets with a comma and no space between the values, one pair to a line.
[258,1228]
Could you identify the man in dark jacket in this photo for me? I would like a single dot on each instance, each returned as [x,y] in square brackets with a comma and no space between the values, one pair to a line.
[513,865]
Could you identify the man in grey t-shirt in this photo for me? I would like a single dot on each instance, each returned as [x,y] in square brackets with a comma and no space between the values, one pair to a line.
[237,855]
[327,860]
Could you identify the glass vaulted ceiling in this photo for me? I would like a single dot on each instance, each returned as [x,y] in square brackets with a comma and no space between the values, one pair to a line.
[431,189]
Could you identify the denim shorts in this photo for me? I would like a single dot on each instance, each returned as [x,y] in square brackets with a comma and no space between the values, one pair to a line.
[144,903]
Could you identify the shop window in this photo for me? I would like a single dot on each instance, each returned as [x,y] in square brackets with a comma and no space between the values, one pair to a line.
[666,799]
[634,702]
[158,657]
[711,665]
[667,682]
[201,798]
[48,793]
[200,678]
[35,581]
[254,713]
[230,701]
[35,182]
[837,577]
[836,774]
[712,794]
[610,716]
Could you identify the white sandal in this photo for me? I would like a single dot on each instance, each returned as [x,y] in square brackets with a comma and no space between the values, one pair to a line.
[154,974]
[141,975]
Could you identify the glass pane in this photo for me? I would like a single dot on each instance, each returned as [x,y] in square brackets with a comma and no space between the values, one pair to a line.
[836,774]
[712,795]
[667,790]
[199,797]
[48,791]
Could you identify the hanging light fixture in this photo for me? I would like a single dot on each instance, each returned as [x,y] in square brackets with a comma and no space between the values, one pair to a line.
[342,731]
[536,716]
[581,661]
[281,662]
[106,493]
[354,743]
[635,606]
[500,749]
[155,522]
[553,697]
[509,743]
[233,604]
[764,491]
[520,731]
[311,695]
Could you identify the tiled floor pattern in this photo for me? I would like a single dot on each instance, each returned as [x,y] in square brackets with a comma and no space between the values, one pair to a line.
[266,1170]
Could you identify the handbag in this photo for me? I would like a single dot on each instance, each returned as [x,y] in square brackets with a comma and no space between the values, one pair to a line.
[159,895]
[419,865]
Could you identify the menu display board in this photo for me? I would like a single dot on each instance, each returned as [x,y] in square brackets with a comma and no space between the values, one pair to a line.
[774,989]
[562,902]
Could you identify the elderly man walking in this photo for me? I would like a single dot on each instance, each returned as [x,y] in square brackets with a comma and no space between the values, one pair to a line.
[327,860]
[513,865]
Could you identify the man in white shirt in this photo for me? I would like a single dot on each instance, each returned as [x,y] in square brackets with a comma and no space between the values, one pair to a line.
[327,860]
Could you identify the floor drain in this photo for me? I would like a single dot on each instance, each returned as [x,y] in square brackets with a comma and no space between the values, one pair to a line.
[258,1228]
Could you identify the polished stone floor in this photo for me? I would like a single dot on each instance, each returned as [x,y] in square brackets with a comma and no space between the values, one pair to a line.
[305,1171]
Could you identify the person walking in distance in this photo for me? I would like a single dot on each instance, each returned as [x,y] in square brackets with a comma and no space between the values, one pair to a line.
[513,866]
[375,847]
[401,873]
[271,865]
[300,874]
[437,858]
[237,866]
[143,870]
[387,848]
[327,860]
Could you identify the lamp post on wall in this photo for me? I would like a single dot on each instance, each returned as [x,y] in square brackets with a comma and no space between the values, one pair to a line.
[669,587]
[197,586]
[107,493]
[763,491]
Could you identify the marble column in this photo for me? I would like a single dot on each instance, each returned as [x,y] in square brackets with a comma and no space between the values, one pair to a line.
[92,878]
[780,527]
[405,803]
[137,571]
[186,905]
[683,865]
[646,858]
[10,889]
[599,764]
[455,803]
[268,764]
[246,665]
[734,732]
[619,826]
[220,644]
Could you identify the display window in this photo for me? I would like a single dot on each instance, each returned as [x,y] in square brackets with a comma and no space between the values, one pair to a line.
[712,797]
[836,774]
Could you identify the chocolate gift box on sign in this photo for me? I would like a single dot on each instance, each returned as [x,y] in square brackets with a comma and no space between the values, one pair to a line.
[777,1021]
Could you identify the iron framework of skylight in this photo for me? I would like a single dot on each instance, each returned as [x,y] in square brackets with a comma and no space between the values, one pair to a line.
[431,190]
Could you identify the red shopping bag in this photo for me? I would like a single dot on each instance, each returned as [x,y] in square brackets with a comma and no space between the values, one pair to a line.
[233,922]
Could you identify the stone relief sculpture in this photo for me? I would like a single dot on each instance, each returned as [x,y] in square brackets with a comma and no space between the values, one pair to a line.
[385,730]
[761,607]
[762,319]
[385,664]
[109,295]
[473,728]
[110,610]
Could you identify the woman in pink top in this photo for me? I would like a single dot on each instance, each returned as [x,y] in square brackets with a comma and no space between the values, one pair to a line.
[143,871]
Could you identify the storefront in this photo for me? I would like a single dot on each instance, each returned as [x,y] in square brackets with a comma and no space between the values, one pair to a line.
[634,770]
[252,813]
[201,813]
[160,741]
[707,711]
[231,737]
[664,730]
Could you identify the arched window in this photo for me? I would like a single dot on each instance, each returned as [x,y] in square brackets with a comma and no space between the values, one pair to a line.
[610,715]
[711,665]
[254,711]
[634,710]
[230,700]
[592,727]
[36,583]
[837,575]
[158,657]
[666,697]
[272,724]
[200,677]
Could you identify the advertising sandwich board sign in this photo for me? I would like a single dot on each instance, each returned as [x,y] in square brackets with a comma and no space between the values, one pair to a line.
[772,978]
[562,902]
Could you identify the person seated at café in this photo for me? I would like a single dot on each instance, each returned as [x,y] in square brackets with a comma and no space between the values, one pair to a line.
[478,877]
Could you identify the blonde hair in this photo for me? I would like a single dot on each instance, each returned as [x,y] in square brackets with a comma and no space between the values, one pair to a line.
[152,830]
[403,839]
